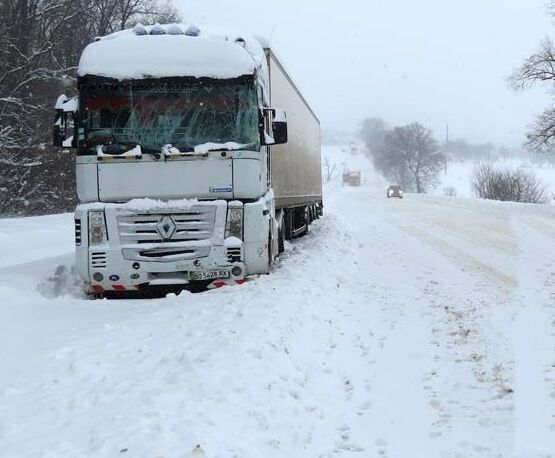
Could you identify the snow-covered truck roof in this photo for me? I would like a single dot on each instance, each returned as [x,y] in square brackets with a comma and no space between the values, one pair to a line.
[173,50]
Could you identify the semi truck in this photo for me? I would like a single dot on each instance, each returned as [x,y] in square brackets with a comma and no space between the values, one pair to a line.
[196,158]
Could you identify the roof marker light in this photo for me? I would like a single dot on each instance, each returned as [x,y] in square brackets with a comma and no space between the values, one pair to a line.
[192,31]
[241,42]
[174,29]
[139,29]
[157,29]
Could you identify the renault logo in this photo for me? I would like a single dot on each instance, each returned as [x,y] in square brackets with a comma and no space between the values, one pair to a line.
[166,227]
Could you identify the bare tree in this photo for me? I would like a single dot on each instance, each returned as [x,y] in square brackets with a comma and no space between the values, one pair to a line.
[517,185]
[329,170]
[113,15]
[163,12]
[422,156]
[411,157]
[450,191]
[539,68]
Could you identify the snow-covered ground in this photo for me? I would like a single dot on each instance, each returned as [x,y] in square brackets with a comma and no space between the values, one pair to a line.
[420,327]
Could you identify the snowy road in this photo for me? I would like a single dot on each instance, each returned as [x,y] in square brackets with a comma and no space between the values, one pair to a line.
[420,327]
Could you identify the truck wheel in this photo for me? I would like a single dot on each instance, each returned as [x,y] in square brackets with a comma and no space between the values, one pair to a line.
[270,255]
[281,241]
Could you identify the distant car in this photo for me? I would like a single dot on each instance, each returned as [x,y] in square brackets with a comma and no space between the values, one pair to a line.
[351,178]
[394,191]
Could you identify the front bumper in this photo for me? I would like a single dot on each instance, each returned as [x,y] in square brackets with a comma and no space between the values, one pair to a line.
[134,258]
[115,274]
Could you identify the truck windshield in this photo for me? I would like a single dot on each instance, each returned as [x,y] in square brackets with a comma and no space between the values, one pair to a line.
[183,115]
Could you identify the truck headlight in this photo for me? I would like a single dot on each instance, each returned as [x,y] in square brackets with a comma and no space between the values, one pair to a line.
[97,228]
[234,226]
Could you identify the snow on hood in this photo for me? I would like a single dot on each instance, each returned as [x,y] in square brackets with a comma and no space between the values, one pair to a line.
[161,51]
[148,205]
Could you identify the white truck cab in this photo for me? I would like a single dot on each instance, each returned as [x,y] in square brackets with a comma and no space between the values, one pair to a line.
[173,129]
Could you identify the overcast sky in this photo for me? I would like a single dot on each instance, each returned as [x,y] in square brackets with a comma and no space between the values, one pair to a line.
[433,61]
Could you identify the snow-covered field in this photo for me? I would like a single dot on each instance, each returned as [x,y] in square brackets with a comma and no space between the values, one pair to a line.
[420,327]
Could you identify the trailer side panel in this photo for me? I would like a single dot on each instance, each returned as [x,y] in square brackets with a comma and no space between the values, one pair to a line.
[295,166]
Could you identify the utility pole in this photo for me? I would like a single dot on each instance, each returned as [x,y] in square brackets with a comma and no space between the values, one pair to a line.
[446,146]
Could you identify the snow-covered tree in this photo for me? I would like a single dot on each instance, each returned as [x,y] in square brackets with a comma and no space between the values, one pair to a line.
[41,42]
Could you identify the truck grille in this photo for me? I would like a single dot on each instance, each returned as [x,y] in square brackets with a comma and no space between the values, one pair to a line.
[98,260]
[165,252]
[77,231]
[194,225]
[234,254]
[167,236]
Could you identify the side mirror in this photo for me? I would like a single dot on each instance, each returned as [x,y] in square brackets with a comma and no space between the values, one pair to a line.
[59,130]
[279,127]
[62,122]
[275,127]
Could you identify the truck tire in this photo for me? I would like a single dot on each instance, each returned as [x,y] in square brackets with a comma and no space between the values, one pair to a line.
[270,256]
[281,241]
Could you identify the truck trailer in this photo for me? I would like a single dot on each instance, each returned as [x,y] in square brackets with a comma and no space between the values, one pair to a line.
[196,157]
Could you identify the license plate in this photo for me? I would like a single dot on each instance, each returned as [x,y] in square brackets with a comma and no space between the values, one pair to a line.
[209,275]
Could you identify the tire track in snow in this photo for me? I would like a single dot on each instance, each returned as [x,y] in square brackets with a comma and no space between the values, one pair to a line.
[471,382]
[460,256]
[470,379]
[401,418]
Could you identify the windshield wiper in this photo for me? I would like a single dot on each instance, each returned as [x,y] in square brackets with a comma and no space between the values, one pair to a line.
[170,151]
[144,150]
[184,148]
[116,148]
[123,148]
[154,153]
[228,146]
